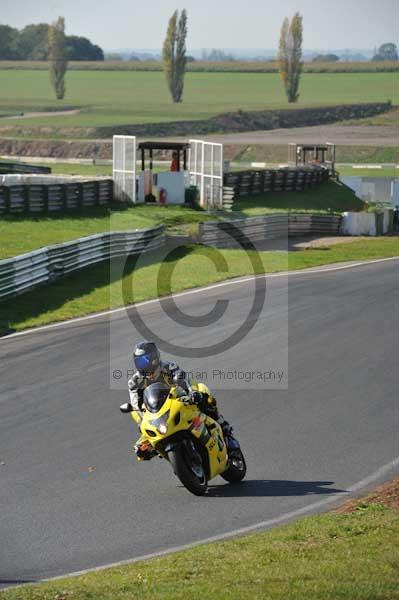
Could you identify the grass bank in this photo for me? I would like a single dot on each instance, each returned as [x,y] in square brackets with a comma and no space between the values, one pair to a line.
[325,198]
[346,555]
[102,287]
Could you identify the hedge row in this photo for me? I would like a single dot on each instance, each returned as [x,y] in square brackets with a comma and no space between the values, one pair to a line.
[212,67]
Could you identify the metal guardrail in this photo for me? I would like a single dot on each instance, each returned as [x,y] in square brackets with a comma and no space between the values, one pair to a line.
[25,272]
[314,224]
[242,232]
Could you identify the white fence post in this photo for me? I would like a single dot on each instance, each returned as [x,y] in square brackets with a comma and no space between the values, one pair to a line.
[124,168]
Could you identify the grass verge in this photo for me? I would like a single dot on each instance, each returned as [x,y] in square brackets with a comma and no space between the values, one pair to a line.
[346,555]
[20,233]
[103,287]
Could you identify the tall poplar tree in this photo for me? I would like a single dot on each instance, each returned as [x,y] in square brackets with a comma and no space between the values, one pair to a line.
[174,54]
[290,55]
[57,53]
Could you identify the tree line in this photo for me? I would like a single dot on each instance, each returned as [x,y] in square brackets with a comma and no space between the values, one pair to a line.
[31,43]
[174,55]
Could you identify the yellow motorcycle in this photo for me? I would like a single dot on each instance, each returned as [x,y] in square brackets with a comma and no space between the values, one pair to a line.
[173,426]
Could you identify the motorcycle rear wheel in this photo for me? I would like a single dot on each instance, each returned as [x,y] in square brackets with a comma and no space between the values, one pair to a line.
[237,468]
[192,476]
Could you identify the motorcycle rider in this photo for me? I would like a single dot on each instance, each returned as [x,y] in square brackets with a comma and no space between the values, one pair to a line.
[150,369]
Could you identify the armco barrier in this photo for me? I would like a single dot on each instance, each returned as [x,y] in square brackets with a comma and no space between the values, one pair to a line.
[240,232]
[22,273]
[55,197]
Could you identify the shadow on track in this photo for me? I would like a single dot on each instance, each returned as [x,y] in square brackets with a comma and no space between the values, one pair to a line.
[272,488]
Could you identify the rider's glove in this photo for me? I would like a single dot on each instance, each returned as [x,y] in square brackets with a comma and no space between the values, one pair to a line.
[135,399]
[196,398]
[135,381]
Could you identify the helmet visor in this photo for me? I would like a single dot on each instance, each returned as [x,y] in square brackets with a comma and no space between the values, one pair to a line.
[143,362]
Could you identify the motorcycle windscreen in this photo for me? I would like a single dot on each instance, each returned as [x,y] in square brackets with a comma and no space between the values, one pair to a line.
[155,396]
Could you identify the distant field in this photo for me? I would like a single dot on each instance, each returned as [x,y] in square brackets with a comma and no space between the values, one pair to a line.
[109,98]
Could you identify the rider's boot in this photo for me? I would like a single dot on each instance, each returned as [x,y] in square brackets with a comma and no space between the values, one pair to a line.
[231,442]
[144,451]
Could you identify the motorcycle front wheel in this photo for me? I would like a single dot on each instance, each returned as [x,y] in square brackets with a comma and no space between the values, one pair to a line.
[189,470]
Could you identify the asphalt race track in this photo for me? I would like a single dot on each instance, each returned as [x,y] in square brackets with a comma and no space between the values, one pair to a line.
[72,497]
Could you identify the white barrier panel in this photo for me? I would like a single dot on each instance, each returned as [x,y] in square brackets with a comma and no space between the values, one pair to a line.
[367,223]
[361,223]
[124,168]
[206,172]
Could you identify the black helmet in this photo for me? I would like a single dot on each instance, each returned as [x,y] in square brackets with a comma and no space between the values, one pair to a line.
[147,358]
[155,396]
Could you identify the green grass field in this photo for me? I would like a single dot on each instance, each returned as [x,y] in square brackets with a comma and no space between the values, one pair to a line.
[112,97]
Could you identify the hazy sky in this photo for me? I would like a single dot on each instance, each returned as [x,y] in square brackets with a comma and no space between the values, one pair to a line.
[215,23]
